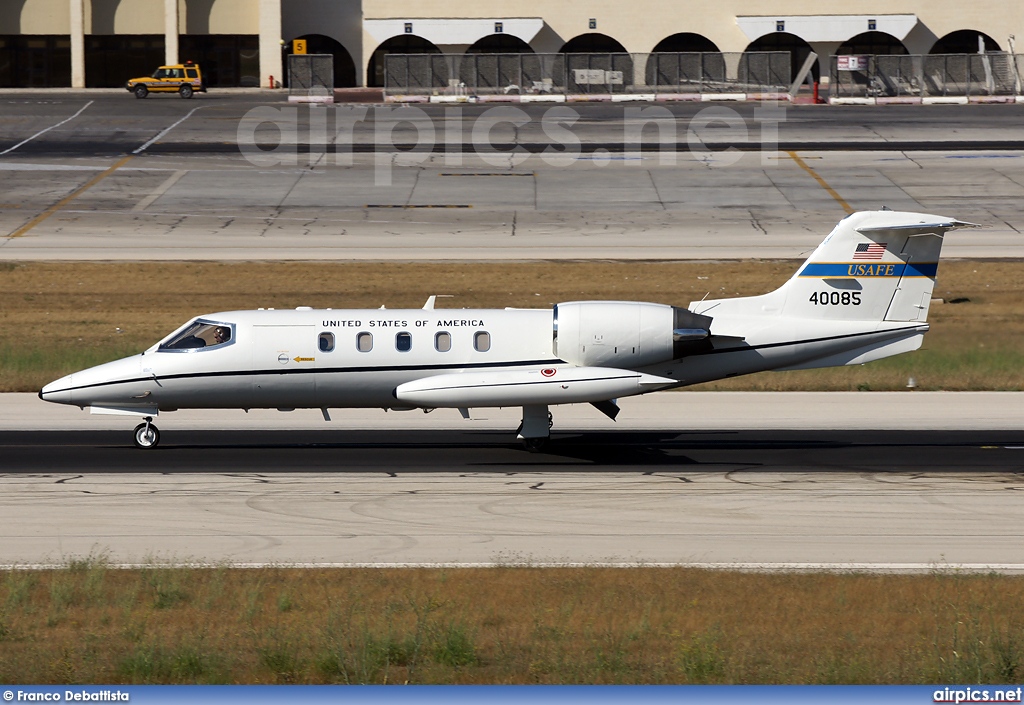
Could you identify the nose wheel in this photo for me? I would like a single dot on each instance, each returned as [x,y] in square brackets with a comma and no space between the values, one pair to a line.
[146,434]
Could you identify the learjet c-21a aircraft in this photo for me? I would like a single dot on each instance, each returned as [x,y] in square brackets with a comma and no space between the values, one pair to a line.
[862,295]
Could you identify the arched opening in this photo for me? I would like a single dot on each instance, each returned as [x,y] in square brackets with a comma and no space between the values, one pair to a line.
[500,44]
[685,42]
[344,67]
[405,44]
[684,62]
[963,41]
[593,63]
[495,64]
[970,74]
[593,43]
[889,72]
[798,50]
[872,43]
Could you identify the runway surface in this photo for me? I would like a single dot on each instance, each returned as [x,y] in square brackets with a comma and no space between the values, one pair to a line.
[834,492]
[103,176]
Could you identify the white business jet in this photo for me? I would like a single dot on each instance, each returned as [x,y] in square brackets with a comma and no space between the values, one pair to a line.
[861,296]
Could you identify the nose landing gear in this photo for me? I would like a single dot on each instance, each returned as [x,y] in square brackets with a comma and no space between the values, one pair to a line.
[146,434]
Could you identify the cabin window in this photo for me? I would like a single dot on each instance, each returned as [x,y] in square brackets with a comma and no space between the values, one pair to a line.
[443,341]
[481,341]
[326,342]
[200,335]
[403,342]
[364,342]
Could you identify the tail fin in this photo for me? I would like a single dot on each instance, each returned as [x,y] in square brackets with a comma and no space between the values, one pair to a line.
[873,266]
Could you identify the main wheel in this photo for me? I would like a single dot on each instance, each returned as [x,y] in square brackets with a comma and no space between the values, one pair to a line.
[185,91]
[141,91]
[146,436]
[535,445]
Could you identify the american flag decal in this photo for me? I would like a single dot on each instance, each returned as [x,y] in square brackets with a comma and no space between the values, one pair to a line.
[869,250]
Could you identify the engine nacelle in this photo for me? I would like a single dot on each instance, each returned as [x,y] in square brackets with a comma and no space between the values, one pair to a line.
[627,334]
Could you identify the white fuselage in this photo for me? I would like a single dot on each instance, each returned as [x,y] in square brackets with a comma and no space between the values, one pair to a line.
[275,360]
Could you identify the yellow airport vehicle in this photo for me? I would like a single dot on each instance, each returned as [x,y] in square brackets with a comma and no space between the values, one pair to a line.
[183,79]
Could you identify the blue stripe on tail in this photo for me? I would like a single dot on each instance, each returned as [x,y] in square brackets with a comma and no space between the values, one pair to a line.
[855,270]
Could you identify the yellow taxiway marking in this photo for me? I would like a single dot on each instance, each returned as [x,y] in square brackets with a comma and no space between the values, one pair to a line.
[821,182]
[70,197]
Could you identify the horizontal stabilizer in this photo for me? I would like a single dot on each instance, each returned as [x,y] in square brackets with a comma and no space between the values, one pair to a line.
[937,227]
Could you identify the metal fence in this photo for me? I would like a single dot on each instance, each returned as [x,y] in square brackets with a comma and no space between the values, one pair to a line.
[311,75]
[928,75]
[543,74]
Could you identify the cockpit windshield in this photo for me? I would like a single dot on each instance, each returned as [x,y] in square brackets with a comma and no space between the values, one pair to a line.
[200,335]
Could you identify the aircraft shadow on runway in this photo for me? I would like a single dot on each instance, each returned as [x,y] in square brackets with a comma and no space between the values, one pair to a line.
[445,451]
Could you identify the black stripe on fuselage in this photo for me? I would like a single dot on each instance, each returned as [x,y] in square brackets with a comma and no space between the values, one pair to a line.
[317,370]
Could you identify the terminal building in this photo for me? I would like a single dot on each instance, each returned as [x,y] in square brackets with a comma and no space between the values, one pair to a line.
[102,43]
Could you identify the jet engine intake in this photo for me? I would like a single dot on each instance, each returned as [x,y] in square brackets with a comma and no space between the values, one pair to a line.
[627,334]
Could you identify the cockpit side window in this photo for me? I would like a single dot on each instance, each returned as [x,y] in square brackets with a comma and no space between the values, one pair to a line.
[200,335]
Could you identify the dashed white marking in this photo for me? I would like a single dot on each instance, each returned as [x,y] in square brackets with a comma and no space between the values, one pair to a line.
[147,145]
[51,127]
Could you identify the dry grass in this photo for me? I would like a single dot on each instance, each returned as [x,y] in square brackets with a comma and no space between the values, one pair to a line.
[59,317]
[88,624]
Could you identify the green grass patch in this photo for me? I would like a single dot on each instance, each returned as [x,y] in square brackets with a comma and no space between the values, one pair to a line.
[509,625]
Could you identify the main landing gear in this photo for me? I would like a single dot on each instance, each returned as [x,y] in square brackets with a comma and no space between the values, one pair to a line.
[146,434]
[536,427]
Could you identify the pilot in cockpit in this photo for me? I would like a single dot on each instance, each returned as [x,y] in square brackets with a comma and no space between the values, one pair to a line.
[222,334]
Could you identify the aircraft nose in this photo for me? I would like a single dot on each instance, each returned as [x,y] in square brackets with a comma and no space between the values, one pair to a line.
[59,391]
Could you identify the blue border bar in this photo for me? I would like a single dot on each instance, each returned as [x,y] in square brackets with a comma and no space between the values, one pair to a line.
[535,695]
[866,270]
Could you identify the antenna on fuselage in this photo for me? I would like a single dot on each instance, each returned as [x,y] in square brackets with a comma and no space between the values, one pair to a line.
[429,306]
